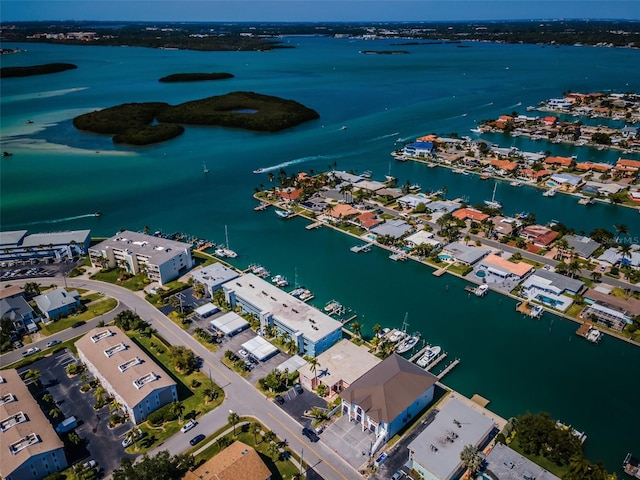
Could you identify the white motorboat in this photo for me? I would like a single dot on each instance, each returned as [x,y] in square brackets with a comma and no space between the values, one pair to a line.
[482,290]
[429,356]
[550,193]
[401,334]
[409,343]
[383,332]
[258,170]
[283,213]
[594,335]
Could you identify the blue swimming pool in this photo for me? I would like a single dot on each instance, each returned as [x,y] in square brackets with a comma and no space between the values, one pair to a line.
[444,256]
[548,301]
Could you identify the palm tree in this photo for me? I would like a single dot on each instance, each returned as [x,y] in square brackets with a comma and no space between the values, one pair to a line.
[471,459]
[467,239]
[621,228]
[596,276]
[274,451]
[177,408]
[74,438]
[377,329]
[573,268]
[357,329]
[208,392]
[55,412]
[255,428]
[268,436]
[99,392]
[132,436]
[313,365]
[233,419]
[114,406]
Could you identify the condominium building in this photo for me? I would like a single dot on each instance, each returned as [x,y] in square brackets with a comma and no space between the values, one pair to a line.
[160,259]
[126,372]
[29,446]
[313,331]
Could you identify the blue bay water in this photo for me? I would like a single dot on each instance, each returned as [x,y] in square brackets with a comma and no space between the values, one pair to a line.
[57,173]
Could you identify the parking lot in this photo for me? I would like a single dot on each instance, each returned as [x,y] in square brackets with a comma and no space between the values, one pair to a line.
[100,443]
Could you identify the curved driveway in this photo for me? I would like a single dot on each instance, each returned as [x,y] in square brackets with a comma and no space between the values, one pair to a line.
[240,396]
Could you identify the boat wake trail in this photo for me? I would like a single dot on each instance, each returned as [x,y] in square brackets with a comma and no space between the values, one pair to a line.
[57,220]
[519,104]
[383,136]
[296,161]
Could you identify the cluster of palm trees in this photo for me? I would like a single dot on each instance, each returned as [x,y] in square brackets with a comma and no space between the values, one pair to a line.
[382,347]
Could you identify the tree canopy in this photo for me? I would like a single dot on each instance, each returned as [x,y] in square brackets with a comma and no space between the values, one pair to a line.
[161,466]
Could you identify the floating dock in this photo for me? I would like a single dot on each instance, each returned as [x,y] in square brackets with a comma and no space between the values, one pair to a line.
[450,367]
[440,272]
[262,206]
[419,354]
[313,226]
[436,361]
[480,400]
[361,248]
[398,257]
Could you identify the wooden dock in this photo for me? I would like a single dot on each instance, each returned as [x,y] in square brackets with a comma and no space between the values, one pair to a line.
[420,352]
[440,272]
[436,361]
[450,367]
[262,206]
[583,330]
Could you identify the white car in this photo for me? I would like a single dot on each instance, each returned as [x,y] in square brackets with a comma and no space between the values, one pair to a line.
[188,426]
[52,343]
[88,465]
[127,441]
[30,351]
[243,353]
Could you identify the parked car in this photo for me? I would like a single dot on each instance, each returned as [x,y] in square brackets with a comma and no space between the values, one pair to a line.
[280,399]
[188,426]
[52,343]
[197,439]
[243,354]
[310,434]
[30,351]
[398,475]
[78,324]
[128,441]
[298,388]
[89,464]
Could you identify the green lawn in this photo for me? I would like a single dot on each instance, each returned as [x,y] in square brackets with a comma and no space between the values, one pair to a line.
[193,399]
[94,311]
[135,283]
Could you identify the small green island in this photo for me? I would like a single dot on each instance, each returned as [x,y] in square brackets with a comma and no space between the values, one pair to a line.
[133,123]
[194,77]
[9,72]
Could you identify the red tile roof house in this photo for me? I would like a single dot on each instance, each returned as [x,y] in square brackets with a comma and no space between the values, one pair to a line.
[533,175]
[627,167]
[289,194]
[550,121]
[368,220]
[600,167]
[539,235]
[506,165]
[564,162]
[470,213]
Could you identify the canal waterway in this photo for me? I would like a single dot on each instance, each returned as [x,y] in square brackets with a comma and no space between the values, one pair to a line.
[58,177]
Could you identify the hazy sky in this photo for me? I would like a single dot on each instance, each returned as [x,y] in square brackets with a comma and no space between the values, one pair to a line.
[315,10]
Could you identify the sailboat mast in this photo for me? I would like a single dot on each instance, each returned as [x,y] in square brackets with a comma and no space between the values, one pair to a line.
[226,235]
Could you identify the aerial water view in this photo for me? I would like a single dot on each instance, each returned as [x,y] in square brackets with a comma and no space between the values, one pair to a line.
[319,240]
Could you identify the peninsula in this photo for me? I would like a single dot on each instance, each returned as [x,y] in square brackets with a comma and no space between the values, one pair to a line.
[8,72]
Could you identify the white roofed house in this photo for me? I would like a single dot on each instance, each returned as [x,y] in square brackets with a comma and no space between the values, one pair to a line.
[137,383]
[213,276]
[582,246]
[567,181]
[58,303]
[422,237]
[551,289]
[465,254]
[160,259]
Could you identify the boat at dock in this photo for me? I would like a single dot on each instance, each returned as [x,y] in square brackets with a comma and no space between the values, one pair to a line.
[526,308]
[575,432]
[550,193]
[225,251]
[284,214]
[593,335]
[306,295]
[261,206]
[479,291]
[631,466]
[586,201]
[334,308]
[493,203]
[429,356]
[259,271]
[279,281]
[398,257]
[361,248]
[398,335]
[516,183]
[383,332]
[409,343]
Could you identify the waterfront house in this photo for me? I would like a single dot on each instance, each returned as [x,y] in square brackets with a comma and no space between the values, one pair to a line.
[387,397]
[551,289]
[339,367]
[17,245]
[634,195]
[162,260]
[237,461]
[595,166]
[411,200]
[550,121]
[16,309]
[418,149]
[559,104]
[567,181]
[503,226]
[443,206]
[394,228]
[604,189]
[126,372]
[470,214]
[389,193]
[504,166]
[609,310]
[558,162]
[346,176]
[289,194]
[435,453]
[613,256]
[58,303]
[213,276]
[531,174]
[30,446]
[539,235]
[498,269]
[504,463]
[581,245]
[422,237]
[313,331]
[457,252]
[342,211]
[368,220]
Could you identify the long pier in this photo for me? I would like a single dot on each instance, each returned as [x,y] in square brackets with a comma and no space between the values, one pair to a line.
[436,361]
[420,352]
[311,226]
[450,367]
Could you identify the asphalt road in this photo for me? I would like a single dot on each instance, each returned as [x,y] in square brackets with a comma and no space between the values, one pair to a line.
[240,396]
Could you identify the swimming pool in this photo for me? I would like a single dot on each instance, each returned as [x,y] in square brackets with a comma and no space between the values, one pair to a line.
[549,301]
[551,184]
[444,256]
[481,274]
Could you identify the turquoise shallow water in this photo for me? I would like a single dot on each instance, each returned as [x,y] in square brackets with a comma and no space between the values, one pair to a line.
[56,175]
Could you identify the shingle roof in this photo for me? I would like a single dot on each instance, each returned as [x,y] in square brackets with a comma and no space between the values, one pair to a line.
[389,388]
[237,461]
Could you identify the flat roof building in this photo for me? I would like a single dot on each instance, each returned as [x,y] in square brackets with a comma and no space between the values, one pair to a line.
[466,254]
[160,259]
[313,331]
[137,383]
[435,453]
[504,463]
[230,324]
[213,276]
[394,228]
[17,245]
[260,349]
[338,367]
[29,446]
